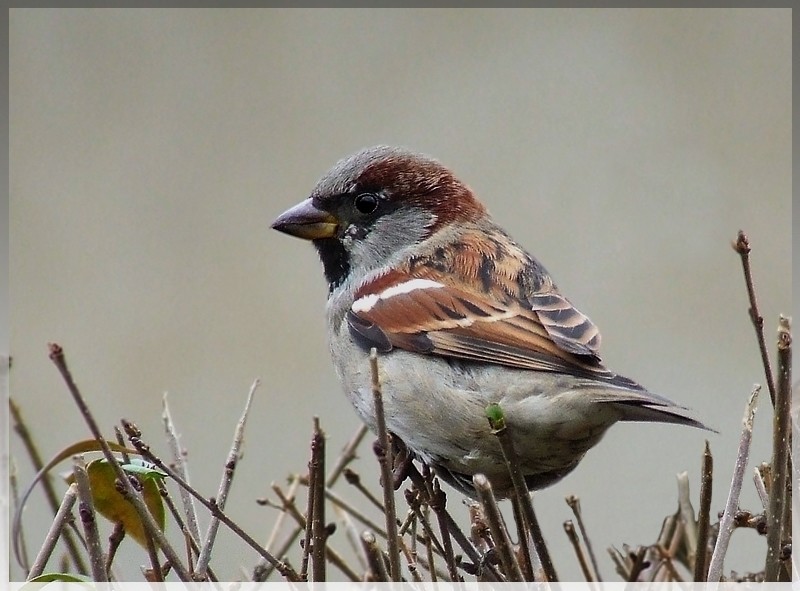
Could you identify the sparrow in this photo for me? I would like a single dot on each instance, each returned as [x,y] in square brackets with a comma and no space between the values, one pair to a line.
[461,316]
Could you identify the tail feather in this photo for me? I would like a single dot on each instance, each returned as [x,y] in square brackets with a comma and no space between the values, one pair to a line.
[635,403]
[638,410]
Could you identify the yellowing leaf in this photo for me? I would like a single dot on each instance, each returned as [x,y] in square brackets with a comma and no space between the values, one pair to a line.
[110,503]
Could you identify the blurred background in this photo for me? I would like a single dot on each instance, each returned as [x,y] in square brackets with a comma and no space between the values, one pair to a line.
[151,149]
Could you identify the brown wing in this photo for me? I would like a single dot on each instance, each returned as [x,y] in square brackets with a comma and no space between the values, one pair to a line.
[428,312]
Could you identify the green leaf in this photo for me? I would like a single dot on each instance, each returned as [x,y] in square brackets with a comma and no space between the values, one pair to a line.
[495,415]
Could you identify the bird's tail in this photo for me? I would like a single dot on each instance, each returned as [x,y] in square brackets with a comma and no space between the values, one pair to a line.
[659,412]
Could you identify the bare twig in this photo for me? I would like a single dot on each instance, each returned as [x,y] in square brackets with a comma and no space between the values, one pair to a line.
[68,535]
[438,503]
[355,513]
[704,515]
[157,575]
[133,495]
[192,545]
[377,567]
[524,541]
[763,496]
[569,528]
[181,467]
[502,542]
[384,458]
[638,564]
[780,453]
[352,477]
[114,541]
[742,247]
[687,515]
[575,504]
[13,488]
[352,534]
[424,485]
[88,520]
[134,437]
[316,471]
[726,523]
[498,424]
[348,454]
[276,528]
[411,561]
[429,553]
[63,515]
[224,486]
[289,508]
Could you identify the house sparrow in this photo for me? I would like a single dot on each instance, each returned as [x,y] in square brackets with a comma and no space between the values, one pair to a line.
[461,316]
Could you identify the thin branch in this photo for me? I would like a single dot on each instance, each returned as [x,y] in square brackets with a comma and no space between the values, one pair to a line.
[726,524]
[192,545]
[69,536]
[294,483]
[89,520]
[742,247]
[384,458]
[13,488]
[353,478]
[524,541]
[575,504]
[288,507]
[133,495]
[423,486]
[377,567]
[316,470]
[780,453]
[498,424]
[411,561]
[224,486]
[114,541]
[348,454]
[502,542]
[135,438]
[438,503]
[704,516]
[157,575]
[355,513]
[761,490]
[429,537]
[182,467]
[351,533]
[638,565]
[63,515]
[687,516]
[569,528]
[431,564]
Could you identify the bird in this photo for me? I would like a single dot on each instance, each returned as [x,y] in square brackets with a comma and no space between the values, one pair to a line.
[462,317]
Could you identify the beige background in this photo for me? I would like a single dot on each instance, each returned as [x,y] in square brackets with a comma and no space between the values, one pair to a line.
[151,149]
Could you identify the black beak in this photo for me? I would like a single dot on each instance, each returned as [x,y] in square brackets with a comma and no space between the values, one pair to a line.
[307,222]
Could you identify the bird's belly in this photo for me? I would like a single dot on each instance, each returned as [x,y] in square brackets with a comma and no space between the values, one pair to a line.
[438,408]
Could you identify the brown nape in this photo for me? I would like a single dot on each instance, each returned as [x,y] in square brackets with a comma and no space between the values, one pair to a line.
[425,184]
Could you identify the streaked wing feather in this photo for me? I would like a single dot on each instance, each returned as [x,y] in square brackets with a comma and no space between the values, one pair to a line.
[543,332]
[568,327]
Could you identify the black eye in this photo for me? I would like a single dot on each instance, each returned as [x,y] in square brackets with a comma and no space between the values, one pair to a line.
[366,203]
